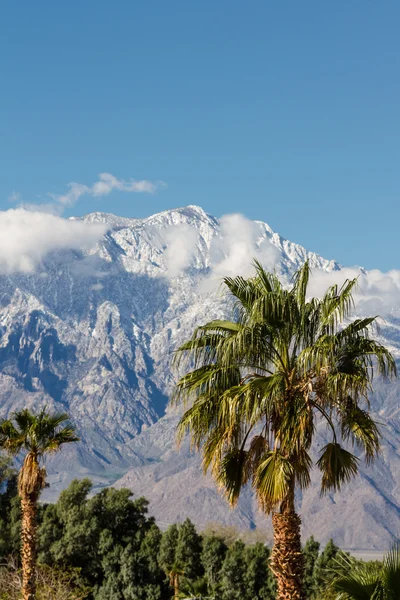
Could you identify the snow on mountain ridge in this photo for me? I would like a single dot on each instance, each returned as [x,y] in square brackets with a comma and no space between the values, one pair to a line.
[293,255]
[92,332]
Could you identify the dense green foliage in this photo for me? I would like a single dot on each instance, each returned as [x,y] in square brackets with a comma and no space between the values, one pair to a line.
[10,513]
[115,550]
[311,552]
[374,581]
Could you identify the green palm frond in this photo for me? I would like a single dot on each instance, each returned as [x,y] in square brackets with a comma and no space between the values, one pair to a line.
[301,279]
[336,305]
[356,328]
[37,433]
[337,465]
[200,419]
[65,435]
[272,479]
[244,293]
[258,447]
[354,580]
[358,426]
[232,474]
[208,379]
[391,573]
[302,469]
[365,353]
[11,440]
[294,428]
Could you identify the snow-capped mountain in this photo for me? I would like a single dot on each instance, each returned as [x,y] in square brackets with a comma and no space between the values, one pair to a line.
[92,333]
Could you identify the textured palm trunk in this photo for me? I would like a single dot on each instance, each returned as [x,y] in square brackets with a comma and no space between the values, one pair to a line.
[287,561]
[28,546]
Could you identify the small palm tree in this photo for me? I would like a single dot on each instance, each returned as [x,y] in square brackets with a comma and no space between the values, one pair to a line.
[356,580]
[195,590]
[175,572]
[257,387]
[37,436]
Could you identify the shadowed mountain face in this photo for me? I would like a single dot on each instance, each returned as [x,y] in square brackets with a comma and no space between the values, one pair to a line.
[93,334]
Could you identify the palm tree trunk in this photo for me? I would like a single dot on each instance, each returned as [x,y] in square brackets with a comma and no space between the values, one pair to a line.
[28,546]
[287,561]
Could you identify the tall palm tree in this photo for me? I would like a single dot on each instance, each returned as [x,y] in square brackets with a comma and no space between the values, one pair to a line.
[37,436]
[356,580]
[258,385]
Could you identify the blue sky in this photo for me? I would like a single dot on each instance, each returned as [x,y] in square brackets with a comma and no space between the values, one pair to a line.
[287,112]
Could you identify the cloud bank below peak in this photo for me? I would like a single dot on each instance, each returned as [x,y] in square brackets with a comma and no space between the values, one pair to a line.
[231,252]
[239,241]
[376,292]
[26,237]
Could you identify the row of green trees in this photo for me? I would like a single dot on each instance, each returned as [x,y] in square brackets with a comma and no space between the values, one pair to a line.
[115,550]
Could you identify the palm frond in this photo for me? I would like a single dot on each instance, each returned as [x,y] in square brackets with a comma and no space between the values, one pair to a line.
[336,305]
[66,435]
[215,378]
[354,580]
[301,279]
[359,426]
[294,428]
[337,465]
[391,573]
[11,440]
[272,479]
[302,468]
[231,474]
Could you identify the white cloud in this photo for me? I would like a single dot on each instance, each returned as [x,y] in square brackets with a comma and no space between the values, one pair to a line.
[105,185]
[46,207]
[181,244]
[232,252]
[377,293]
[26,237]
[75,191]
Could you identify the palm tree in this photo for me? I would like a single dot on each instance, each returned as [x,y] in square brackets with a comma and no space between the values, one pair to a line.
[37,435]
[175,572]
[258,385]
[195,590]
[356,580]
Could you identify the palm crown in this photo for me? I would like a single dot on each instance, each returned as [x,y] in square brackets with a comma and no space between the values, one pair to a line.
[37,435]
[259,384]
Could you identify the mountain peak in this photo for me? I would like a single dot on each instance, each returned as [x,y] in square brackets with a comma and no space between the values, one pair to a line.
[93,333]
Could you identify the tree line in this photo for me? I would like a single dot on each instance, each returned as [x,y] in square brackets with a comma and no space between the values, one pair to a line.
[106,546]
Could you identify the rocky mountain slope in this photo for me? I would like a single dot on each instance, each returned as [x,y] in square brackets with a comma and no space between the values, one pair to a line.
[93,333]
